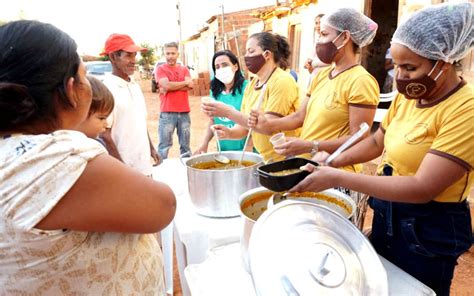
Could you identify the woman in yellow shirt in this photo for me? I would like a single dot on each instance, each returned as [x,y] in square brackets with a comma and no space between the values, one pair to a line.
[341,96]
[421,219]
[265,51]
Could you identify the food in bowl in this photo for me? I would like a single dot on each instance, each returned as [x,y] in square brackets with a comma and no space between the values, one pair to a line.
[282,175]
[337,204]
[255,205]
[285,172]
[214,165]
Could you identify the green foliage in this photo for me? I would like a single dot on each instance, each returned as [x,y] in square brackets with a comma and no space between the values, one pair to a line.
[148,57]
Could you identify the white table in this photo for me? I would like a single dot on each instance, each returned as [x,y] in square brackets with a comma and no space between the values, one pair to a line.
[194,234]
[223,274]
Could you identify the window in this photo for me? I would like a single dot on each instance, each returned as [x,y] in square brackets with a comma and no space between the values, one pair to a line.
[295,43]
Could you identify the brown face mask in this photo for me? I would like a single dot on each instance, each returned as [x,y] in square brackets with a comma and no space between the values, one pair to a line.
[418,88]
[327,51]
[255,63]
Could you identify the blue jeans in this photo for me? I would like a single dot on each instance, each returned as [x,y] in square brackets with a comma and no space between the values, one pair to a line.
[168,122]
[424,240]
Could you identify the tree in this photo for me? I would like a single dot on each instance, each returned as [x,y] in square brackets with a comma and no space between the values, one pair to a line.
[147,57]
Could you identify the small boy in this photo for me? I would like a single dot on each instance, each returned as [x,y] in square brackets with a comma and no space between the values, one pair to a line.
[101,106]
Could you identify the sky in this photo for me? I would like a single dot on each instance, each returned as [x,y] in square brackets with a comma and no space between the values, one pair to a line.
[90,22]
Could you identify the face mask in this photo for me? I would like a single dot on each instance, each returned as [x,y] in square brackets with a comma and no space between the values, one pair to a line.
[255,63]
[327,51]
[225,75]
[418,88]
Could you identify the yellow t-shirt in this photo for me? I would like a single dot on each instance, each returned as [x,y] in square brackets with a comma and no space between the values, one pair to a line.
[327,112]
[281,99]
[445,128]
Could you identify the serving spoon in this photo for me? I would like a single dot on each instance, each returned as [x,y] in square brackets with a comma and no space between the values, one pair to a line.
[259,104]
[219,157]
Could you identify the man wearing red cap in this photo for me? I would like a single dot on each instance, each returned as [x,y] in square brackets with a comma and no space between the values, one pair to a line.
[127,136]
[174,81]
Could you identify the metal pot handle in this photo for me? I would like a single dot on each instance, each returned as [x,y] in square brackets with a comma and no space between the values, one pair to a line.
[184,155]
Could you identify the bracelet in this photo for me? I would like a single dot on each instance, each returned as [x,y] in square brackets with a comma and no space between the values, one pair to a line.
[315,147]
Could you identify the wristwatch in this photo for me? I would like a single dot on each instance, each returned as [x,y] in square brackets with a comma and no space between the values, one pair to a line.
[315,147]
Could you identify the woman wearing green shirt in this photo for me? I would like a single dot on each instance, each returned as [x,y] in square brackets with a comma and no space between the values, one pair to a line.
[228,87]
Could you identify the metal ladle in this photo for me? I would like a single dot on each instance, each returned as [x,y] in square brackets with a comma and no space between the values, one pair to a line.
[259,104]
[219,157]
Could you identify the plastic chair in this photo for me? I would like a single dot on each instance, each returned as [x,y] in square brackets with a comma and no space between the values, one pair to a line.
[384,98]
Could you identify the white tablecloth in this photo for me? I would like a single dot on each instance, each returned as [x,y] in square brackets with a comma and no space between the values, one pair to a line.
[223,274]
[207,247]
[194,234]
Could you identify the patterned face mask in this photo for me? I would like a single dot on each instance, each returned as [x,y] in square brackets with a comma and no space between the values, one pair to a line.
[418,88]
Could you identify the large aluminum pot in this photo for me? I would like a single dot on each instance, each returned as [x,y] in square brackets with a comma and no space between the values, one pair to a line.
[215,193]
[252,205]
[254,202]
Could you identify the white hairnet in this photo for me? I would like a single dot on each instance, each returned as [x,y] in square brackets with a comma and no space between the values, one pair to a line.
[439,32]
[362,28]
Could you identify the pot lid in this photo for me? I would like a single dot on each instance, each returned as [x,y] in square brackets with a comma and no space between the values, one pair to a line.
[300,248]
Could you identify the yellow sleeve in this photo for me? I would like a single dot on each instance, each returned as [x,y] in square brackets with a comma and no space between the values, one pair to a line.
[244,107]
[364,91]
[282,96]
[456,135]
[316,80]
[391,111]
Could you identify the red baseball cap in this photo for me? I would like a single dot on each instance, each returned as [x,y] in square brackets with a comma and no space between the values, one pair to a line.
[117,42]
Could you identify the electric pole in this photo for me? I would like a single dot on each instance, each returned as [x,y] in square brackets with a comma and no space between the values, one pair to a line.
[224,41]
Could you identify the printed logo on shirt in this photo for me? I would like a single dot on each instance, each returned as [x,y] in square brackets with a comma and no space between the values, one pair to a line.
[417,134]
[331,102]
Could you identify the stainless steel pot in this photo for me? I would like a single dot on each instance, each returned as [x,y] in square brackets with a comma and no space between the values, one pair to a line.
[254,202]
[302,248]
[215,193]
[252,205]
[331,198]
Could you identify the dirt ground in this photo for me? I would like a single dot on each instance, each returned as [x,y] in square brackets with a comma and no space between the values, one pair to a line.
[463,279]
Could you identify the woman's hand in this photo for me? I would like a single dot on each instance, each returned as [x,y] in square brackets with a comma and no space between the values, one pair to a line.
[215,109]
[320,157]
[309,65]
[222,131]
[293,146]
[202,149]
[258,120]
[321,178]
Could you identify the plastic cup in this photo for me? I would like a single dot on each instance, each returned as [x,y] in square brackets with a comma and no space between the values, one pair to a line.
[207,99]
[278,139]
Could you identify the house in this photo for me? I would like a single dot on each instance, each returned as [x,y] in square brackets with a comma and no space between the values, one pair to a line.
[228,31]
[294,19]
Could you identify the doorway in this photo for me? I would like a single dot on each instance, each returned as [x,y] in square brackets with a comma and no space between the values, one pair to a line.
[385,14]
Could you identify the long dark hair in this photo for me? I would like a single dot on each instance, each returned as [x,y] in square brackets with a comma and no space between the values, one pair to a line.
[277,44]
[217,86]
[36,61]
